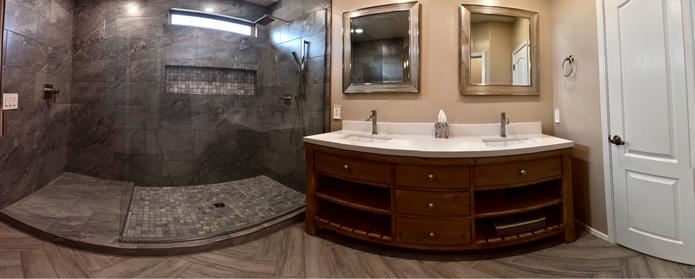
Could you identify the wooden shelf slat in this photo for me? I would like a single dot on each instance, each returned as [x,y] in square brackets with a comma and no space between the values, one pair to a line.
[344,221]
[490,239]
[524,204]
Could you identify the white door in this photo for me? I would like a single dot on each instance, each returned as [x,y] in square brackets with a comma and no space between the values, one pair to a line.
[521,67]
[647,85]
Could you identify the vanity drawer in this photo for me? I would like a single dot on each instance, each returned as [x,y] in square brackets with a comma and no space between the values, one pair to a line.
[518,172]
[433,203]
[433,176]
[434,231]
[350,168]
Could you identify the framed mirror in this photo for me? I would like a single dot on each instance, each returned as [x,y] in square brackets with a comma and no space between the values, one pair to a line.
[499,51]
[381,49]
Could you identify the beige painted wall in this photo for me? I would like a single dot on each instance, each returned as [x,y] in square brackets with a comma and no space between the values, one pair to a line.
[579,103]
[439,72]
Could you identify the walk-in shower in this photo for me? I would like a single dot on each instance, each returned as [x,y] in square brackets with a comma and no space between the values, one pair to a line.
[183,102]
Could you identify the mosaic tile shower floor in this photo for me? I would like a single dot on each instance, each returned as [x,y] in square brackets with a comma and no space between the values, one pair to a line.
[170,214]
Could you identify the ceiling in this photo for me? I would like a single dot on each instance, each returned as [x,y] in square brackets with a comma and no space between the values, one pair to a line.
[262,2]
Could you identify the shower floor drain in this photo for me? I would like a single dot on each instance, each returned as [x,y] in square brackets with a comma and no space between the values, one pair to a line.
[220,205]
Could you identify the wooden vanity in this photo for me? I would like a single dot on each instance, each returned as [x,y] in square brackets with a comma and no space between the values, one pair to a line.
[437,203]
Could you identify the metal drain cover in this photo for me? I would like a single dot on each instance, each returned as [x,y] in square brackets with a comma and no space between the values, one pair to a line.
[220,205]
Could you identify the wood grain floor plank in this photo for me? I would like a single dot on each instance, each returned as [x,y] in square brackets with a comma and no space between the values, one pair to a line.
[11,272]
[251,266]
[166,269]
[36,264]
[94,261]
[130,267]
[636,267]
[412,268]
[455,270]
[206,271]
[376,266]
[273,246]
[292,263]
[501,269]
[542,262]
[11,265]
[663,269]
[317,262]
[65,262]
[346,262]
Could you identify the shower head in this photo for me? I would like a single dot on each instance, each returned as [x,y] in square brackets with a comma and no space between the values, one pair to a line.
[267,19]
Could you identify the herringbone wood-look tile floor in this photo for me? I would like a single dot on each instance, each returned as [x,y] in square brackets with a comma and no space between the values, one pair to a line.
[292,253]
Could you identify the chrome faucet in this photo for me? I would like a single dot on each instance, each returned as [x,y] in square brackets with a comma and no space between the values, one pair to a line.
[373,119]
[504,121]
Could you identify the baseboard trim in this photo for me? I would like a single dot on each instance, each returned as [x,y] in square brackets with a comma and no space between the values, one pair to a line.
[593,231]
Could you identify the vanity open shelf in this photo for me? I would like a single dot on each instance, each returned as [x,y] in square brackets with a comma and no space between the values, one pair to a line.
[355,195]
[508,201]
[439,203]
[353,222]
[488,236]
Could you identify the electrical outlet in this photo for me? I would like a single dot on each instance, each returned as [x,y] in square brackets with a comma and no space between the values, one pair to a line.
[337,112]
[557,116]
[10,101]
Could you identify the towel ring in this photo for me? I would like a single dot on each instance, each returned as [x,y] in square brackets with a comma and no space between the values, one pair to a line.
[568,66]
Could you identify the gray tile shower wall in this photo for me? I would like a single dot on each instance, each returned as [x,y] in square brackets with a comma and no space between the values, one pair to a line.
[37,50]
[126,126]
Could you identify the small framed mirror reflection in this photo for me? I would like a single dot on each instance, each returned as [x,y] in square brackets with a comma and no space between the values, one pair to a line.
[381,49]
[499,51]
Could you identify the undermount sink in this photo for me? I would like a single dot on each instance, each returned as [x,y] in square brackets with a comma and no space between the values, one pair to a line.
[506,141]
[365,138]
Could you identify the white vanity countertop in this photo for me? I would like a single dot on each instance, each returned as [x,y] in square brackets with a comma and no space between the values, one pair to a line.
[417,139]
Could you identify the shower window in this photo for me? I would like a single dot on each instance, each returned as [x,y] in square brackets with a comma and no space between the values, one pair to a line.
[211,21]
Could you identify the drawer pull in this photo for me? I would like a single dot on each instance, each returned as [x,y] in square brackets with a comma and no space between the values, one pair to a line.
[430,176]
[430,205]
[346,167]
[432,235]
[523,172]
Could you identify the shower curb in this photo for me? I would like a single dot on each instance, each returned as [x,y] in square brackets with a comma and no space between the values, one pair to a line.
[163,249]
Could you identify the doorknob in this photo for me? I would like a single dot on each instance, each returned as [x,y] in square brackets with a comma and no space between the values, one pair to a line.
[616,140]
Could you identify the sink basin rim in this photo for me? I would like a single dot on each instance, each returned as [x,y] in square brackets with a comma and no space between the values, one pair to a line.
[365,137]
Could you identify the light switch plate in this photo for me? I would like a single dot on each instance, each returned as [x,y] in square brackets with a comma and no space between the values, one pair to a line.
[10,101]
[337,110]
[557,116]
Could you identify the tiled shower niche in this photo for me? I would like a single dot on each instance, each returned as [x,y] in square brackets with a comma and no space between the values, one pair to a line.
[209,81]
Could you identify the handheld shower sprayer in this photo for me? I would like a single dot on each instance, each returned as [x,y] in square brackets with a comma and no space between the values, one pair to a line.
[301,61]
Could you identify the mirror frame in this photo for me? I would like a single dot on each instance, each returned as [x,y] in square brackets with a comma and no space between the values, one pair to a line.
[411,86]
[469,89]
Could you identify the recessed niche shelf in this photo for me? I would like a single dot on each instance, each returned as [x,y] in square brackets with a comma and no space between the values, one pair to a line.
[209,81]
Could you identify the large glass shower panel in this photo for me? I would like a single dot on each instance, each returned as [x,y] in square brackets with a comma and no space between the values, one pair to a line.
[294,86]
